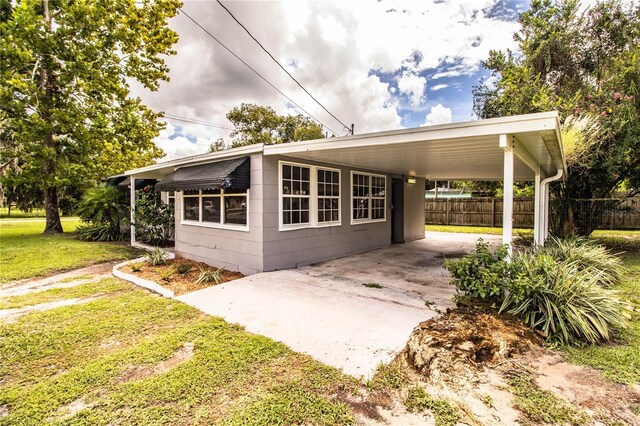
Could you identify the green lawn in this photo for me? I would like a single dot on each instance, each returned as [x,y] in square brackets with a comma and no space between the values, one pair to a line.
[112,361]
[619,362]
[16,213]
[26,253]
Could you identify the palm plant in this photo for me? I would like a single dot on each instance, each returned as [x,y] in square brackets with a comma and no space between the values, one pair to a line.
[103,209]
[564,300]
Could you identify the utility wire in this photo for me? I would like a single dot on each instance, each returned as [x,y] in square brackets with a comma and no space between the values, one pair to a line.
[251,68]
[347,128]
[193,121]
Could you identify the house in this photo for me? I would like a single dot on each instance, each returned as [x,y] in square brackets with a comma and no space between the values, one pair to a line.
[267,207]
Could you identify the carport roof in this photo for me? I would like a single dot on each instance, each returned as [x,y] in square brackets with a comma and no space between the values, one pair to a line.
[471,150]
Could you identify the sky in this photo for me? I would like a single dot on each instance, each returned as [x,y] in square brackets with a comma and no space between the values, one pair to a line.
[381,65]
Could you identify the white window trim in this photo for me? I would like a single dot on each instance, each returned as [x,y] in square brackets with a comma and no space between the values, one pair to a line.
[313,198]
[221,225]
[370,197]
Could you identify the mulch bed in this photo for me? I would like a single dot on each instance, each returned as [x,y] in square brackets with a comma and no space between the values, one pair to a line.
[167,275]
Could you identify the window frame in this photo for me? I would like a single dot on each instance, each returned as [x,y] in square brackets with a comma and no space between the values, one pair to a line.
[370,198]
[313,198]
[221,225]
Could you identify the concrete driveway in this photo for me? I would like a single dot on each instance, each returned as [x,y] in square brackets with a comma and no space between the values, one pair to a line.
[328,312]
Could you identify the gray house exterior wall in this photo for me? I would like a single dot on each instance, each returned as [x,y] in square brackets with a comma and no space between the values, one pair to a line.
[265,247]
[232,249]
[292,248]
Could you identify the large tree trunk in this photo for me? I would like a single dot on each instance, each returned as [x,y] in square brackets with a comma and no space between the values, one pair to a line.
[54,225]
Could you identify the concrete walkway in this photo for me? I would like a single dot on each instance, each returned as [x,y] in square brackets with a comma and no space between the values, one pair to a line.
[326,311]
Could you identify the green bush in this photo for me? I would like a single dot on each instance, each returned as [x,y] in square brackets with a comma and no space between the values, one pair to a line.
[561,290]
[104,211]
[481,275]
[154,219]
[183,268]
[157,257]
[99,232]
[564,301]
[586,254]
[209,275]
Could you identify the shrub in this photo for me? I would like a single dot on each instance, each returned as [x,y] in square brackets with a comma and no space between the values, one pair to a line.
[157,257]
[586,254]
[104,210]
[564,301]
[209,275]
[99,232]
[183,268]
[136,267]
[481,275]
[166,275]
[154,219]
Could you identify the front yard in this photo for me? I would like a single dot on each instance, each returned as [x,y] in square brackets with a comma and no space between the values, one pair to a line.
[26,253]
[129,357]
[102,351]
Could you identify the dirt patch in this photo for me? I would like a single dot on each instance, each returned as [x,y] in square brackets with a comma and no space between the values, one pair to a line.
[171,275]
[12,315]
[182,355]
[70,410]
[4,411]
[454,347]
[585,387]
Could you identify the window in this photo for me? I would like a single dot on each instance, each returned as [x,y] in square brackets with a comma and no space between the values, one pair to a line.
[328,196]
[309,196]
[296,194]
[368,197]
[205,207]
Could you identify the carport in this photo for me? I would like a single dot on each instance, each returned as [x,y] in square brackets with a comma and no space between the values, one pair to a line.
[509,149]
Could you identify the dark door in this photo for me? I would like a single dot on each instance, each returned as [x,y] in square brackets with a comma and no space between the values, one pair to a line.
[397,213]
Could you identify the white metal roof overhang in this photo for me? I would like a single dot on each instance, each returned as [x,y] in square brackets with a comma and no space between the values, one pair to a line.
[459,151]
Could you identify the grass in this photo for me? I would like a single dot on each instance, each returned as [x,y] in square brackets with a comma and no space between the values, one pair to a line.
[104,356]
[25,252]
[619,361]
[543,407]
[17,214]
[55,294]
[418,400]
[372,285]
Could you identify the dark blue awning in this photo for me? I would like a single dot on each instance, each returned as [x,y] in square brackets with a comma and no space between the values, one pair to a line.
[227,174]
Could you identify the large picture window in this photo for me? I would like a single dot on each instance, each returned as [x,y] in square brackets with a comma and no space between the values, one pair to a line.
[368,197]
[309,196]
[215,207]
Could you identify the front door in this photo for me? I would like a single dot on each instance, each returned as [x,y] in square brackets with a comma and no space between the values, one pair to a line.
[397,213]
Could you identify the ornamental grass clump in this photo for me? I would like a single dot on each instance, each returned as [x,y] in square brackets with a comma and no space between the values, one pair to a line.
[562,290]
[157,257]
[209,275]
[564,301]
[586,254]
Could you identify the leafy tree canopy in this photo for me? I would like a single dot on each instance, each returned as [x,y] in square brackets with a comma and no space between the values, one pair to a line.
[64,93]
[260,124]
[586,66]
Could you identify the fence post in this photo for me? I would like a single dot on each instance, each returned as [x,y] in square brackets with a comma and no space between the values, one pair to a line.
[448,210]
[493,212]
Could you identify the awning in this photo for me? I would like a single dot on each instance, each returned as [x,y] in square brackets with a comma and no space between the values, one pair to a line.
[229,174]
[122,182]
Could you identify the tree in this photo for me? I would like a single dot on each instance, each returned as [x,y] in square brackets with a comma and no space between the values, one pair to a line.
[64,93]
[260,124]
[217,145]
[586,66]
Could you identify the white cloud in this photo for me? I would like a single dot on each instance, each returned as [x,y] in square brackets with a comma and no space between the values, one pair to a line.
[413,86]
[439,114]
[334,45]
[438,87]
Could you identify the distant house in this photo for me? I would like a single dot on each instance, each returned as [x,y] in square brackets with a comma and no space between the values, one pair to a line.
[261,208]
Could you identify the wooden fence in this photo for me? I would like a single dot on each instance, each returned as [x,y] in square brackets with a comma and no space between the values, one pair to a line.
[488,212]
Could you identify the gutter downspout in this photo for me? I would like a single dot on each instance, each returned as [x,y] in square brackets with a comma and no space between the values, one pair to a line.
[544,208]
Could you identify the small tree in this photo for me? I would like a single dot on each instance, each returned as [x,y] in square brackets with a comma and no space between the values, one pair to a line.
[154,219]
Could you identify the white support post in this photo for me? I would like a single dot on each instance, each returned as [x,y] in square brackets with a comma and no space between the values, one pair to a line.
[507,202]
[537,222]
[132,203]
[545,223]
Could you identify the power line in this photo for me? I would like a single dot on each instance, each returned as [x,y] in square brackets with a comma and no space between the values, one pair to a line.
[252,69]
[347,128]
[194,121]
